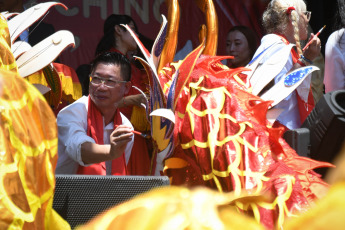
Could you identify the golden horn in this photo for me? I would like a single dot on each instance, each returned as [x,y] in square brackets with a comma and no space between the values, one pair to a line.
[207,7]
[169,48]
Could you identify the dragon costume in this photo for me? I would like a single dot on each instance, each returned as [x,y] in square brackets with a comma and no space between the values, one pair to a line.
[209,128]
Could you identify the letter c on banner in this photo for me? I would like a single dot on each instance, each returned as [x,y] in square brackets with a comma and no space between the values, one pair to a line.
[155,9]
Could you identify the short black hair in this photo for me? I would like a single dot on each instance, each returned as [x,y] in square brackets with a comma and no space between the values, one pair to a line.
[114,58]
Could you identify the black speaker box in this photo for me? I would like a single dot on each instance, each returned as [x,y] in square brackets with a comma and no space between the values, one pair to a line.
[327,127]
[299,140]
[79,198]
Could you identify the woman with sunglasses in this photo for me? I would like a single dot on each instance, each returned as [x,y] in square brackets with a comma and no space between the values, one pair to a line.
[286,22]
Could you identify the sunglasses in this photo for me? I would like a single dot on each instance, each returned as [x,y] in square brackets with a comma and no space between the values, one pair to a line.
[307,14]
[97,81]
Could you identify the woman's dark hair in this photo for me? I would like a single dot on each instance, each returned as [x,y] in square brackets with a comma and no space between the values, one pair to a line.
[339,16]
[250,36]
[108,39]
[339,19]
[114,58]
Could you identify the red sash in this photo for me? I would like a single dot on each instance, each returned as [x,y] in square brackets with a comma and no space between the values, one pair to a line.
[304,108]
[95,130]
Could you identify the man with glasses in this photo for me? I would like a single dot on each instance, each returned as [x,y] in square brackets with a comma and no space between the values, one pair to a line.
[94,137]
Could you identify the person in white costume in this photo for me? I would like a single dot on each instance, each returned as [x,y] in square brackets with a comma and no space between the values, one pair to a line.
[334,78]
[280,52]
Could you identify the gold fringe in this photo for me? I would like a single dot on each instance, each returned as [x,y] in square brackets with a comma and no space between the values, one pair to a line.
[138,119]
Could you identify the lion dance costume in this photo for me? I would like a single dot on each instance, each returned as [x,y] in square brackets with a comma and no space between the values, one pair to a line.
[208,130]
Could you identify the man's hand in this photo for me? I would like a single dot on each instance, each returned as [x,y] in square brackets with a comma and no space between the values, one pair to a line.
[119,139]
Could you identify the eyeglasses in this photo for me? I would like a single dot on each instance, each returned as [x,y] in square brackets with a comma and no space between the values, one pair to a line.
[307,14]
[97,81]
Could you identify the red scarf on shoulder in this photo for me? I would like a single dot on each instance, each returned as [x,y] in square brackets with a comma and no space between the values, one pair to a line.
[95,130]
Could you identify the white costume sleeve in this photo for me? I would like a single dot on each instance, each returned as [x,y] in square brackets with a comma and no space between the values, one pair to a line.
[334,78]
[72,128]
[275,63]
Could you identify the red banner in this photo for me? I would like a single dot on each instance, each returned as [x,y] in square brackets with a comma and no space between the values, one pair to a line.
[85,19]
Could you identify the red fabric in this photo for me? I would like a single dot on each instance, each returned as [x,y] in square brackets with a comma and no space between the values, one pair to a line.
[291,8]
[305,108]
[95,130]
[301,63]
[255,148]
[139,162]
[69,93]
[68,71]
